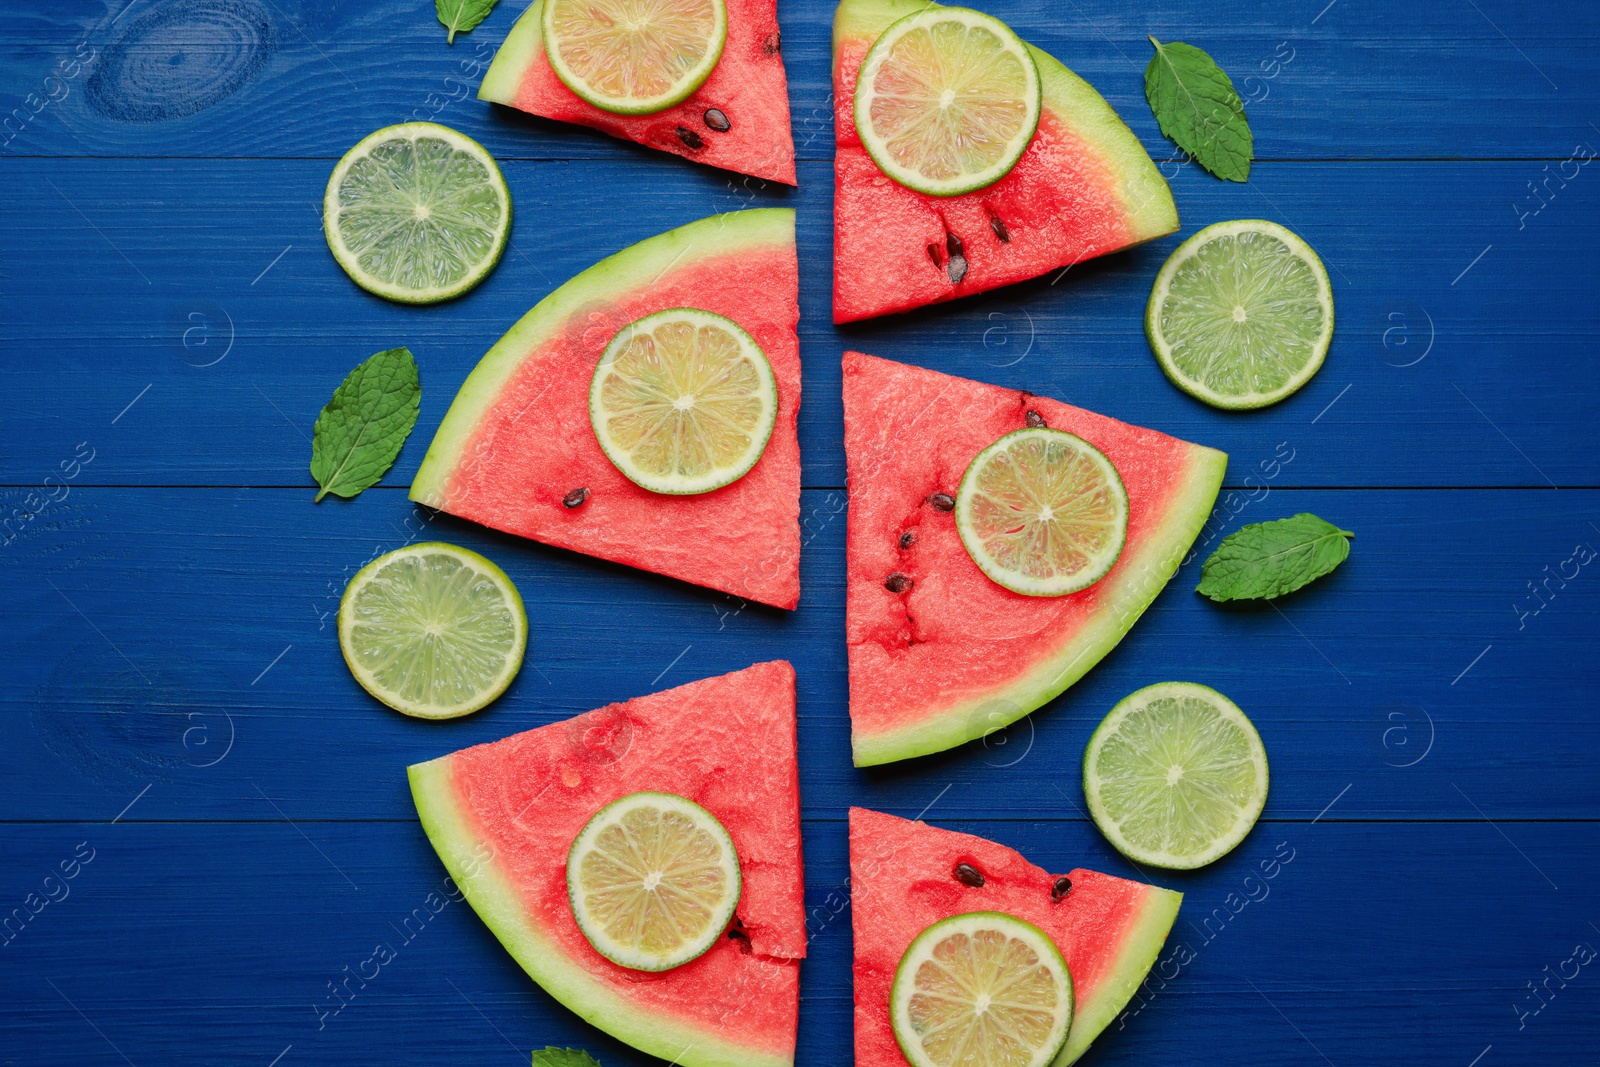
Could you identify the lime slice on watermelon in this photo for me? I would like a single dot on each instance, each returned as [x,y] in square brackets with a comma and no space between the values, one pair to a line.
[1175,776]
[947,100]
[683,401]
[417,213]
[432,630]
[653,879]
[981,990]
[634,57]
[1042,512]
[1241,314]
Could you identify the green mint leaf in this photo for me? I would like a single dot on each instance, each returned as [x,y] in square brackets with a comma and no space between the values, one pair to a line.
[460,16]
[359,434]
[564,1057]
[1197,106]
[1268,559]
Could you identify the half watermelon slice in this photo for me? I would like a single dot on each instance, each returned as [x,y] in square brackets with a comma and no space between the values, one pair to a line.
[737,120]
[941,654]
[502,817]
[903,879]
[1084,187]
[517,452]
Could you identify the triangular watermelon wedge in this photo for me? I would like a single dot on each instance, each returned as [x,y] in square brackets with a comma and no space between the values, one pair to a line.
[902,880]
[949,655]
[502,817]
[1083,188]
[748,86]
[517,445]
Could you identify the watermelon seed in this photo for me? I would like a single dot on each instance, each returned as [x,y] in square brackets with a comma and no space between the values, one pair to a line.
[717,121]
[943,501]
[967,874]
[933,254]
[958,262]
[575,498]
[1062,887]
[773,42]
[1034,419]
[907,539]
[689,138]
[897,583]
[736,933]
[998,225]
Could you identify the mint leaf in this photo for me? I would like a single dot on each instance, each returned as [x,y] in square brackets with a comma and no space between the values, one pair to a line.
[1268,559]
[359,434]
[460,16]
[564,1057]
[1196,105]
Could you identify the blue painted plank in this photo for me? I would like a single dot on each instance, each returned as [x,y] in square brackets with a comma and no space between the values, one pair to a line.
[183,640]
[308,78]
[217,943]
[201,293]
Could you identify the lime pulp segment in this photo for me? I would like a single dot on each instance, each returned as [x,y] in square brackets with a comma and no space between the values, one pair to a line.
[1241,314]
[683,401]
[433,630]
[981,990]
[634,57]
[653,879]
[947,100]
[1042,512]
[417,213]
[1175,775]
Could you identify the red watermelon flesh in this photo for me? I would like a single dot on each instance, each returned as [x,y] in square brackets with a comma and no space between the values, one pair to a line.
[748,86]
[953,656]
[902,881]
[517,440]
[502,816]
[1083,188]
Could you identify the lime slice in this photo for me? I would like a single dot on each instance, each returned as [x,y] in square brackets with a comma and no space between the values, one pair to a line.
[653,880]
[981,989]
[947,100]
[1175,776]
[683,401]
[634,57]
[417,213]
[1241,314]
[432,630]
[1042,512]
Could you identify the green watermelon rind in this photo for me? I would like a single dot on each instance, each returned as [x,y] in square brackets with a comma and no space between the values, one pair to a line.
[467,856]
[1142,577]
[633,268]
[1076,104]
[516,55]
[1141,945]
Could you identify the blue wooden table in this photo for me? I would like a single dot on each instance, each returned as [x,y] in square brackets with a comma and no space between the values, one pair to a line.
[177,729]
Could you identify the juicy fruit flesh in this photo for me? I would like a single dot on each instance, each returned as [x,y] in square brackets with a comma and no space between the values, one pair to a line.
[655,883]
[950,99]
[1243,314]
[686,399]
[624,50]
[432,631]
[1045,509]
[1177,776]
[985,997]
[419,213]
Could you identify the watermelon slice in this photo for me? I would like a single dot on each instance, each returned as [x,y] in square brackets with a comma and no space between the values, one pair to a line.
[516,451]
[902,881]
[1083,188]
[502,817]
[748,87]
[945,655]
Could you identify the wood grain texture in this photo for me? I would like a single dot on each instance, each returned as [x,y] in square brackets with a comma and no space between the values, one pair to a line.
[1349,680]
[209,281]
[174,700]
[1492,78]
